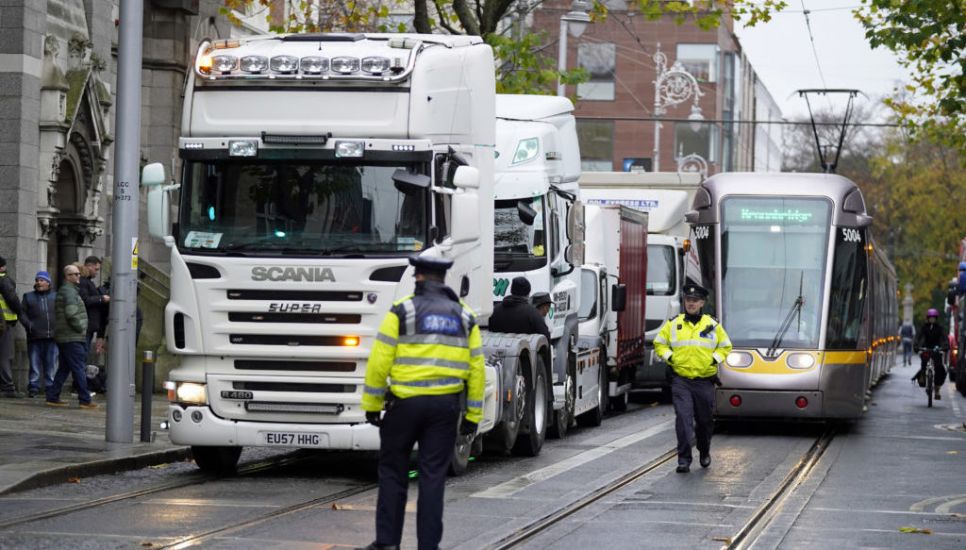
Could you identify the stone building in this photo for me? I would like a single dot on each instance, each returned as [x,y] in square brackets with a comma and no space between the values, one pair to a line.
[58,71]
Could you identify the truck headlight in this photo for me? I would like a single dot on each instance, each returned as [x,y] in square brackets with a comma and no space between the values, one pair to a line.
[242,148]
[345,65]
[285,64]
[254,63]
[739,359]
[314,64]
[349,149]
[191,393]
[526,150]
[224,63]
[375,65]
[800,360]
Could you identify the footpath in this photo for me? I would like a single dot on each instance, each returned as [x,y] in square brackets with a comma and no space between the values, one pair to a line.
[41,445]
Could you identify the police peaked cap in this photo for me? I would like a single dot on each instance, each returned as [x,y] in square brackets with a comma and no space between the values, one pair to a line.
[540,298]
[692,290]
[430,263]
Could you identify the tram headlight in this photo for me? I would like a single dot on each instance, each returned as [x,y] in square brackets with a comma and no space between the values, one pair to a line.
[739,359]
[800,360]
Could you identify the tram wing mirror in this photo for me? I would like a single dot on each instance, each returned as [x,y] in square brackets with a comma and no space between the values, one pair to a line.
[618,297]
[863,220]
[692,216]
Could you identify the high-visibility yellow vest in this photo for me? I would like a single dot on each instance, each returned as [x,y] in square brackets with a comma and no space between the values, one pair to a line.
[8,314]
[695,349]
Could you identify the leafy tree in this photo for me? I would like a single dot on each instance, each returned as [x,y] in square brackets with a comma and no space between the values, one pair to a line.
[929,37]
[524,65]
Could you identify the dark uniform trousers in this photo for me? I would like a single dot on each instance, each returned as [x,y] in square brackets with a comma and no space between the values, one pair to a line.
[693,408]
[431,421]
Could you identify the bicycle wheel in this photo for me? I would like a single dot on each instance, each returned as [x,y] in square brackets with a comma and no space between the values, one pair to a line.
[929,383]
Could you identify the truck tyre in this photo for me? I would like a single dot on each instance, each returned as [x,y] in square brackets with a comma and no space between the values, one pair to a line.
[594,417]
[564,416]
[500,440]
[222,461]
[535,415]
[461,452]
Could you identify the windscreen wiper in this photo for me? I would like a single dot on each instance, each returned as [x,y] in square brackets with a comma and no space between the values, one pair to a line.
[796,308]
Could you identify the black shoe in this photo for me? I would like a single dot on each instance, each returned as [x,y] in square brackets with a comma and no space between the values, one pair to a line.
[705,460]
[683,468]
[32,393]
[375,546]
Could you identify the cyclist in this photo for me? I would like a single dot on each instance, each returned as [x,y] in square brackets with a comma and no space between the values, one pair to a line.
[931,336]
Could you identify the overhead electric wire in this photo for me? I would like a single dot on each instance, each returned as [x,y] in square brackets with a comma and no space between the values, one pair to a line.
[811,38]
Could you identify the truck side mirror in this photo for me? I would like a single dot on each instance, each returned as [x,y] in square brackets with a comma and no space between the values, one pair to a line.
[526,212]
[159,222]
[466,209]
[618,297]
[466,177]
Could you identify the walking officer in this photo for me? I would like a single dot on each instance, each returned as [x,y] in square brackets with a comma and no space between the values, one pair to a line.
[693,344]
[428,351]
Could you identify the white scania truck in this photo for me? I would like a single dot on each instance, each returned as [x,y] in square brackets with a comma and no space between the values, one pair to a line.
[313,167]
[539,235]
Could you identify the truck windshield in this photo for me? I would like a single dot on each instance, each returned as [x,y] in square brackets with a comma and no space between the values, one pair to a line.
[518,246]
[660,270]
[311,209]
[773,253]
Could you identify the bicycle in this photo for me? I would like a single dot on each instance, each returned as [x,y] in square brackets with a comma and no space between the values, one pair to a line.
[927,377]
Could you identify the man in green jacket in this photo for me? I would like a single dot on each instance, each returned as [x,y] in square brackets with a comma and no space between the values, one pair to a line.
[70,333]
[694,344]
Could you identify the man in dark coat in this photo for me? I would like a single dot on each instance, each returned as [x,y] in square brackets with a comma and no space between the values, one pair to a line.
[38,319]
[516,314]
[95,301]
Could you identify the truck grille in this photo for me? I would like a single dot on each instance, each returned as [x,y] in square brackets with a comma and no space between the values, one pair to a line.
[304,295]
[285,340]
[294,387]
[301,366]
[295,408]
[274,317]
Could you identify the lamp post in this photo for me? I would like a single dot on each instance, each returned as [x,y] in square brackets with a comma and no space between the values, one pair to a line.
[575,22]
[672,87]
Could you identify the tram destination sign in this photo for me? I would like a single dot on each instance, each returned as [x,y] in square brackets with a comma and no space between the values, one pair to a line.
[793,215]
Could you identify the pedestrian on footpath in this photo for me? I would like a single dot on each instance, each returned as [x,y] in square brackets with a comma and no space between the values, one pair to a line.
[10,306]
[95,302]
[38,320]
[70,333]
[693,344]
[515,314]
[907,333]
[542,302]
[427,353]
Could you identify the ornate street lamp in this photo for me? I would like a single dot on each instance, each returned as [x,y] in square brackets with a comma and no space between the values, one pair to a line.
[672,87]
[575,23]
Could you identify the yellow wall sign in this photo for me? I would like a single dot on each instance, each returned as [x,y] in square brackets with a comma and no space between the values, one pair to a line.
[134,254]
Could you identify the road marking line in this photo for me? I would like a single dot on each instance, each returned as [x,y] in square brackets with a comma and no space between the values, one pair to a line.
[519,483]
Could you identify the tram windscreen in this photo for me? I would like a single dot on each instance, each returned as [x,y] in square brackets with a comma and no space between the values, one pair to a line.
[773,251]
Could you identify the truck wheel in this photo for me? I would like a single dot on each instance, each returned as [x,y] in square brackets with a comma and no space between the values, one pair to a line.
[564,416]
[216,460]
[500,440]
[461,452]
[595,417]
[535,416]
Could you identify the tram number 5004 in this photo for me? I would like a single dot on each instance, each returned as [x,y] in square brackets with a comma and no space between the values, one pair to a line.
[701,232]
[850,235]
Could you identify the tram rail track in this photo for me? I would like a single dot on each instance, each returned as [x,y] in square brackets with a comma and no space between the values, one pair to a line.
[187,481]
[763,516]
[541,524]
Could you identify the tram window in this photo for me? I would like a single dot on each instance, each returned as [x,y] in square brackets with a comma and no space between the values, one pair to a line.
[660,270]
[773,252]
[848,291]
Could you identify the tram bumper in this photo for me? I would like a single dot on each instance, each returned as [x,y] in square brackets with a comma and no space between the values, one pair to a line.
[794,404]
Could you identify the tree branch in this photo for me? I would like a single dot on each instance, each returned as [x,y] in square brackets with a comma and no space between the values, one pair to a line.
[421,17]
[466,18]
[444,19]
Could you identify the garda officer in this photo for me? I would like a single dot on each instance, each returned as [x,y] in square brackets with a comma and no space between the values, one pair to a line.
[10,306]
[427,351]
[693,344]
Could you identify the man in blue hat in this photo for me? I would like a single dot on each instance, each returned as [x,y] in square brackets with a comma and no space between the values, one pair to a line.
[693,344]
[428,352]
[39,319]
